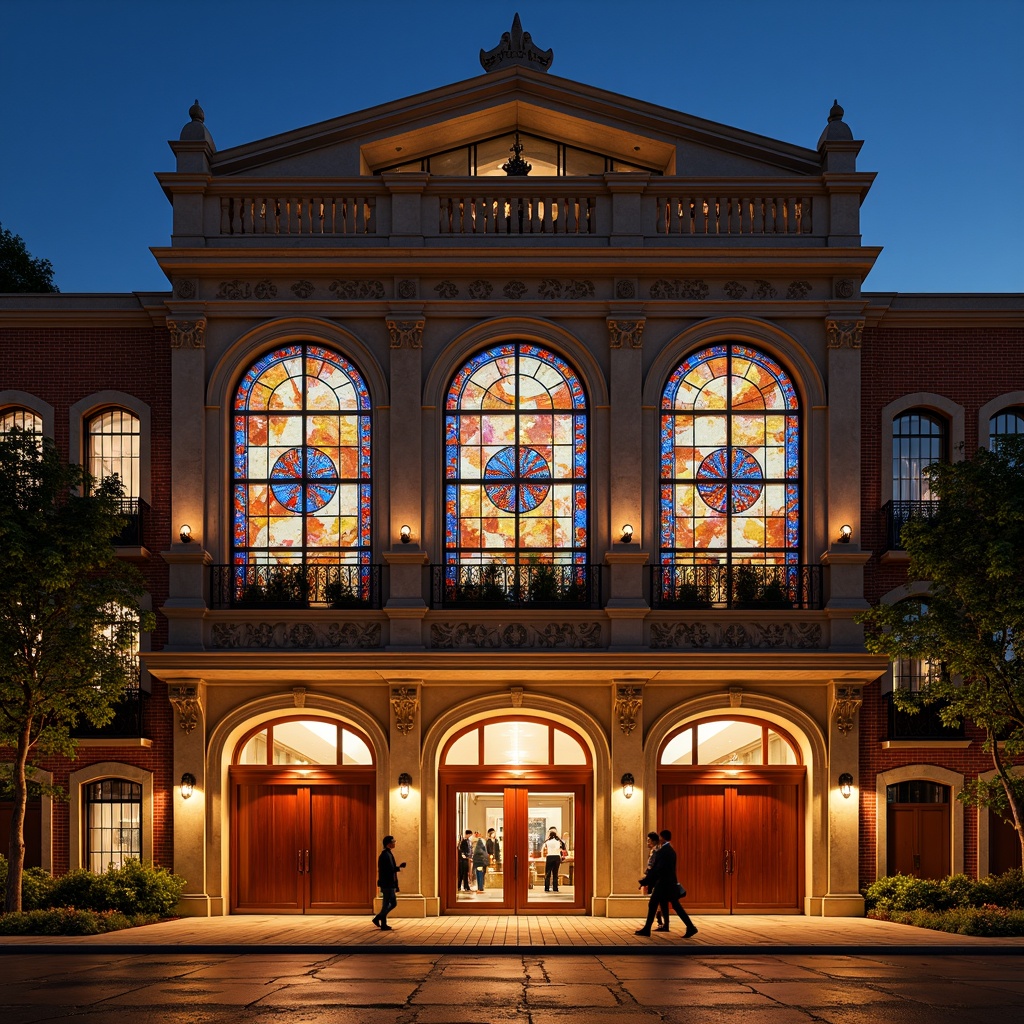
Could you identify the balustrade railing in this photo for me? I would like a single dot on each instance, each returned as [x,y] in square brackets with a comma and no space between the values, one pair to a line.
[694,587]
[895,515]
[295,586]
[682,214]
[536,585]
[136,511]
[262,214]
[923,724]
[512,212]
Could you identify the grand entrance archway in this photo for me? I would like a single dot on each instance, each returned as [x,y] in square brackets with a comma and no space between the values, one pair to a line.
[731,790]
[515,819]
[302,809]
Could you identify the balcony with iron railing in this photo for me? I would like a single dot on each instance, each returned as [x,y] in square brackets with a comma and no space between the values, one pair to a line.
[896,514]
[762,587]
[923,724]
[136,512]
[520,586]
[127,722]
[312,585]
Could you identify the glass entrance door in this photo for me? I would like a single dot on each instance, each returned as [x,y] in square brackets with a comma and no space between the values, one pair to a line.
[514,848]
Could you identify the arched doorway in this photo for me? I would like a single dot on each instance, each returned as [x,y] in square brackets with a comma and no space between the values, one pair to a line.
[516,782]
[731,790]
[918,828]
[302,812]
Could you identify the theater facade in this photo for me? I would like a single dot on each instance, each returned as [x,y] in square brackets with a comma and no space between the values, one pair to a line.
[516,456]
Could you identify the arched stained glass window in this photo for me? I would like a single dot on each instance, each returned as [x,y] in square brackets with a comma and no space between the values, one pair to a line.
[516,467]
[301,470]
[730,461]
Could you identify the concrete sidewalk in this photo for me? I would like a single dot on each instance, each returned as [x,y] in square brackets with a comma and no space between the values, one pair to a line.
[729,935]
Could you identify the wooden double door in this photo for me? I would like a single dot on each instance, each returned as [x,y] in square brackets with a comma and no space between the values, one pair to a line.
[738,834]
[918,840]
[302,843]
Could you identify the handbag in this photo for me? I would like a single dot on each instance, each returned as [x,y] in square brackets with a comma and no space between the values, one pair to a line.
[562,854]
[680,891]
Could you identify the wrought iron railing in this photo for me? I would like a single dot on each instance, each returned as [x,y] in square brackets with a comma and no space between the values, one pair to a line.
[295,586]
[895,514]
[136,511]
[127,722]
[737,586]
[924,724]
[508,585]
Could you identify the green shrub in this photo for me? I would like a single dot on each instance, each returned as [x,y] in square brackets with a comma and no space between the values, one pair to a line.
[904,892]
[67,921]
[36,886]
[81,889]
[137,888]
[1005,890]
[961,891]
[985,921]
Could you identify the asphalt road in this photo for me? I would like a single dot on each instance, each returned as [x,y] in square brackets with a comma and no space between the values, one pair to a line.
[411,988]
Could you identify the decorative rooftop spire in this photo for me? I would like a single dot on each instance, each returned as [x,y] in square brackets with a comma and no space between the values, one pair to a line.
[836,113]
[516,47]
[516,167]
[196,112]
[837,130]
[196,130]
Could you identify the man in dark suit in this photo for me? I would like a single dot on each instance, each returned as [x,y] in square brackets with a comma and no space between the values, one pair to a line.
[387,882]
[465,856]
[663,886]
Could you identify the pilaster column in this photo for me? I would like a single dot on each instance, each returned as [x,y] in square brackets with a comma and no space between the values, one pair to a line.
[406,729]
[187,695]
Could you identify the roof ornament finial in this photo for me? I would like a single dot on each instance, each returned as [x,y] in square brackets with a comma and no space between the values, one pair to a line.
[836,113]
[195,112]
[516,166]
[516,48]
[837,130]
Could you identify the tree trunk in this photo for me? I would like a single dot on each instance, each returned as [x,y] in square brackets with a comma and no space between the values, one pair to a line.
[16,847]
[1015,805]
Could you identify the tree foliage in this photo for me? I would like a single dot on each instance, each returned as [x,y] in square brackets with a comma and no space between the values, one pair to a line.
[20,271]
[970,551]
[69,612]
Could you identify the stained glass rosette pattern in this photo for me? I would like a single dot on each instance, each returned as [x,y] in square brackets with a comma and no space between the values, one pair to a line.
[301,471]
[516,473]
[730,460]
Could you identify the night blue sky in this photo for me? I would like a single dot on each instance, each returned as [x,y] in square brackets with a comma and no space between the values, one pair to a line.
[935,88]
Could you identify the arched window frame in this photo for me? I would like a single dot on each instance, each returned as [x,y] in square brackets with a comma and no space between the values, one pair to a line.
[20,405]
[1006,422]
[245,413]
[107,451]
[268,727]
[920,438]
[479,727]
[766,729]
[519,478]
[82,412]
[79,779]
[921,400]
[729,486]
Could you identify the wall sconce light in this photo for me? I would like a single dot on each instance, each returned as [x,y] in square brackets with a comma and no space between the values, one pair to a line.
[406,534]
[627,533]
[404,782]
[846,784]
[627,785]
[845,533]
[188,783]
[185,533]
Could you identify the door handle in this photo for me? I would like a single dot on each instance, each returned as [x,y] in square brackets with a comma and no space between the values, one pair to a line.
[732,862]
[300,862]
[726,866]
[307,862]
[515,866]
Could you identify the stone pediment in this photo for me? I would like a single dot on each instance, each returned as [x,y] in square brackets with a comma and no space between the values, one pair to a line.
[626,129]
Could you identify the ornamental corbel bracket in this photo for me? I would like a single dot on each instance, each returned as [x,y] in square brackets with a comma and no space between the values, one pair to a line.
[404,703]
[186,701]
[628,703]
[846,704]
[187,333]
[406,332]
[626,333]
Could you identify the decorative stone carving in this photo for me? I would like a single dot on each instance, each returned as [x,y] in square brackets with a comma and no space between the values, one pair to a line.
[480,289]
[551,288]
[626,333]
[625,288]
[735,696]
[453,635]
[516,693]
[357,289]
[764,290]
[404,703]
[717,635]
[628,702]
[185,700]
[303,289]
[234,290]
[735,289]
[185,289]
[516,47]
[407,289]
[844,333]
[296,636]
[187,333]
[676,289]
[406,332]
[799,290]
[845,288]
[447,290]
[848,700]
[514,290]
[299,696]
[264,290]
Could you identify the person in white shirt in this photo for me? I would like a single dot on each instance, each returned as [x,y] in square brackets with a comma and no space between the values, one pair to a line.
[552,850]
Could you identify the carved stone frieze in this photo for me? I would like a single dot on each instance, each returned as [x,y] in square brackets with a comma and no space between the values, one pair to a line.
[447,290]
[514,290]
[480,289]
[676,289]
[798,290]
[845,288]
[303,289]
[406,333]
[625,288]
[296,635]
[452,635]
[846,704]
[357,289]
[185,700]
[734,635]
[626,333]
[185,289]
[764,290]
[844,333]
[628,702]
[237,289]
[552,288]
[187,333]
[407,289]
[404,703]
[734,289]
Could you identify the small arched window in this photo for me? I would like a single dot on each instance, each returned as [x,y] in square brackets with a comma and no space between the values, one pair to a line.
[114,447]
[22,419]
[919,438]
[113,823]
[733,740]
[304,740]
[1004,423]
[513,742]
[913,674]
